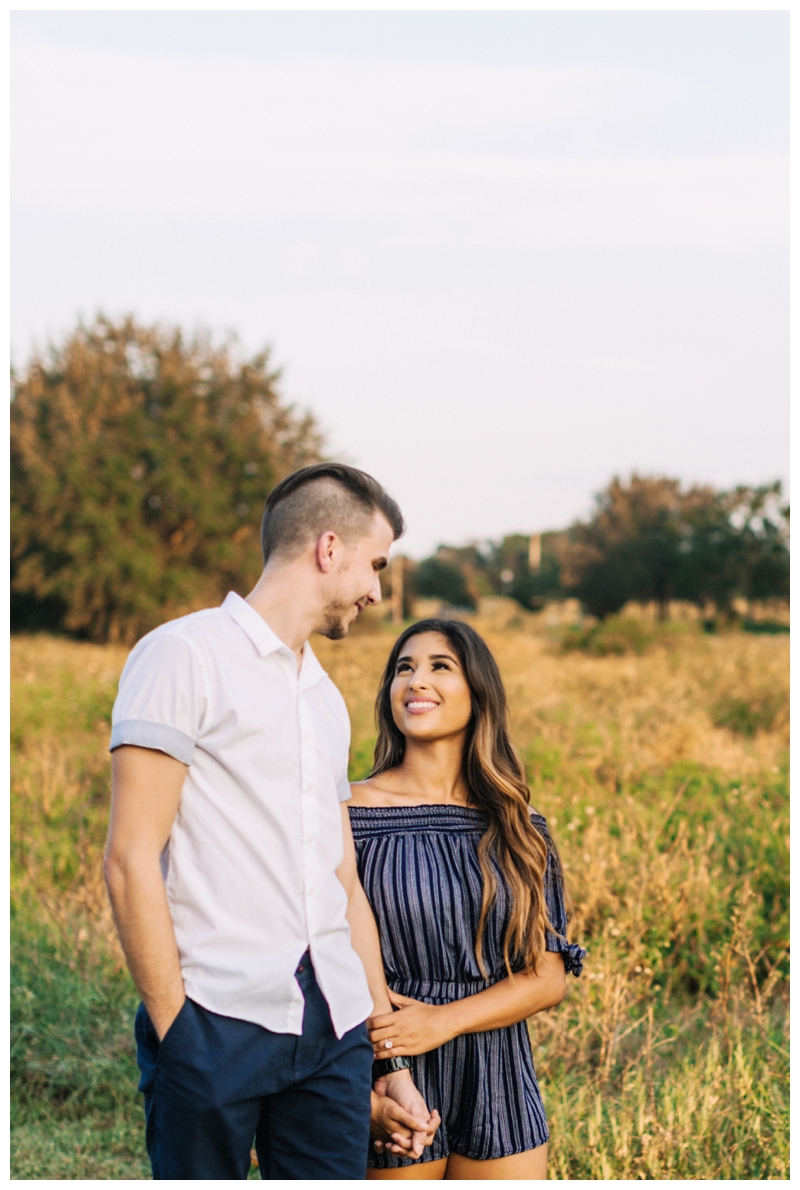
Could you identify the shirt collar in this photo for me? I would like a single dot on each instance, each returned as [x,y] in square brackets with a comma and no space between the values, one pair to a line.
[311,671]
[254,625]
[266,641]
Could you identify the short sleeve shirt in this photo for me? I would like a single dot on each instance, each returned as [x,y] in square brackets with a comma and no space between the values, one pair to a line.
[250,866]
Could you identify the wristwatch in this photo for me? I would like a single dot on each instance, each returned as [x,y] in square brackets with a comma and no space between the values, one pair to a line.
[388,1066]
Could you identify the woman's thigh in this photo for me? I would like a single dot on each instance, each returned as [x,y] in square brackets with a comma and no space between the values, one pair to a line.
[432,1171]
[532,1165]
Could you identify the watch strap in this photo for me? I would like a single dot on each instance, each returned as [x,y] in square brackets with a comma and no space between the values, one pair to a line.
[382,1066]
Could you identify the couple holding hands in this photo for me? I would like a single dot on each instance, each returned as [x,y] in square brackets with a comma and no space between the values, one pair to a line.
[337,975]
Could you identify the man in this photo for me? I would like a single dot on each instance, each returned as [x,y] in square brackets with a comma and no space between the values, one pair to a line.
[231,866]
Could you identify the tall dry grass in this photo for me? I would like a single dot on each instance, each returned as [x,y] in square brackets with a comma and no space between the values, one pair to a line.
[669,1057]
[663,778]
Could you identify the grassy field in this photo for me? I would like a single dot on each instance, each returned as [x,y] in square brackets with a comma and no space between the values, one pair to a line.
[663,774]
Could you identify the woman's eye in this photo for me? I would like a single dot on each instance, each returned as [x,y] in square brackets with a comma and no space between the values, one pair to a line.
[441,665]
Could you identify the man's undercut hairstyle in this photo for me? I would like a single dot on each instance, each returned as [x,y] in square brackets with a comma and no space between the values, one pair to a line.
[322,497]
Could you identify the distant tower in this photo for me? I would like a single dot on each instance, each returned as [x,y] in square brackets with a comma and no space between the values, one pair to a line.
[535,553]
[397,589]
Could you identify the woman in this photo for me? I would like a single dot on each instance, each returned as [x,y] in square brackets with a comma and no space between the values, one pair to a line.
[467,893]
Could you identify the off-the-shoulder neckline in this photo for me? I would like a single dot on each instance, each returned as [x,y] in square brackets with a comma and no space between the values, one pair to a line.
[434,806]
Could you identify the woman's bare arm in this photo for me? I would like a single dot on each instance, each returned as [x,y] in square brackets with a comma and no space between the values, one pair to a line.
[417,1028]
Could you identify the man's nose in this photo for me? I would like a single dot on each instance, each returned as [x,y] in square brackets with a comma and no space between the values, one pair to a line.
[375,595]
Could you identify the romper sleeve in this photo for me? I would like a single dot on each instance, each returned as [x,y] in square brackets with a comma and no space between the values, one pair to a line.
[162,700]
[572,954]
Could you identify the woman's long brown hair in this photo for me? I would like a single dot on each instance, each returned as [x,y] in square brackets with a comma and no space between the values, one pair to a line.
[496,781]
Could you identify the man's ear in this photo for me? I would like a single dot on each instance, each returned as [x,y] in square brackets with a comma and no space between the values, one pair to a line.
[325,550]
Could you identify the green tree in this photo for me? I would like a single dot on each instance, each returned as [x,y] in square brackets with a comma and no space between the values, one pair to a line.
[140,464]
[629,549]
[437,579]
[649,540]
[511,574]
[735,543]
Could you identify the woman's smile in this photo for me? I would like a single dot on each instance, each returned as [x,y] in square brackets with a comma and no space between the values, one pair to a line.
[420,706]
[429,663]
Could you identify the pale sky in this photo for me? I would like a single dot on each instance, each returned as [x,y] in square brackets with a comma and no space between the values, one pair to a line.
[500,256]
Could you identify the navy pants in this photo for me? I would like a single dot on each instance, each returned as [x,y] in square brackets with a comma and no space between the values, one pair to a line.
[214,1083]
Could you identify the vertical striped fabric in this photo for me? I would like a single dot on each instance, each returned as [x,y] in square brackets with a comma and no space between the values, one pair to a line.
[419,868]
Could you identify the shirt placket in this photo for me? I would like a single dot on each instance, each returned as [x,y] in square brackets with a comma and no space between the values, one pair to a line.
[309,816]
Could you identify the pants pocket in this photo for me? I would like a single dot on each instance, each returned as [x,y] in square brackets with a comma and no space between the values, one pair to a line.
[174,1028]
[147,1048]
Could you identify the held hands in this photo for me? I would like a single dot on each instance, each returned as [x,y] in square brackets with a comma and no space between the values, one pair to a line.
[414,1028]
[401,1123]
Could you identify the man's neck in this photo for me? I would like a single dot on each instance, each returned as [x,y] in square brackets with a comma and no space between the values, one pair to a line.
[278,599]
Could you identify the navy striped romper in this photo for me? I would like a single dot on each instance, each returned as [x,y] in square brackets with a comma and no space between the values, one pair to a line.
[419,868]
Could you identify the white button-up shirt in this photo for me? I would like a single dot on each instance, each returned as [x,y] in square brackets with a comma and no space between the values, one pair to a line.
[250,867]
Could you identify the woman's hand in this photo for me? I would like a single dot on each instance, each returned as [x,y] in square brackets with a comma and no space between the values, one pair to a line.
[415,1028]
[394,1130]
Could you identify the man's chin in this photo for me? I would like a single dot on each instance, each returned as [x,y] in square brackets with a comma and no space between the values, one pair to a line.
[336,628]
[338,619]
[335,631]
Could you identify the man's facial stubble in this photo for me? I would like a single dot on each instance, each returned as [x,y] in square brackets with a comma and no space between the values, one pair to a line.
[334,623]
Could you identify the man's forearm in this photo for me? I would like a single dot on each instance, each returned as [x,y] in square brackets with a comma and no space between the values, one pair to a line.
[366,944]
[398,1086]
[141,912]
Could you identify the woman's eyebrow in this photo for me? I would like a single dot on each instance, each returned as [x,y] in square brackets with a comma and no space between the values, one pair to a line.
[432,657]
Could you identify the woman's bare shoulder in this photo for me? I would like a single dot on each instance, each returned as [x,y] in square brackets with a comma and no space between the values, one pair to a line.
[367,793]
[363,793]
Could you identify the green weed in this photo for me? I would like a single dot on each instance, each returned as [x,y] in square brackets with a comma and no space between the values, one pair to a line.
[618,635]
[668,1058]
[747,716]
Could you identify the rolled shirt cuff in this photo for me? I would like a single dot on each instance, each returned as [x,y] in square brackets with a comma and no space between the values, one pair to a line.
[144,734]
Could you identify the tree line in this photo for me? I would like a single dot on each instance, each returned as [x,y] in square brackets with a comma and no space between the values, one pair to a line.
[141,459]
[647,540]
